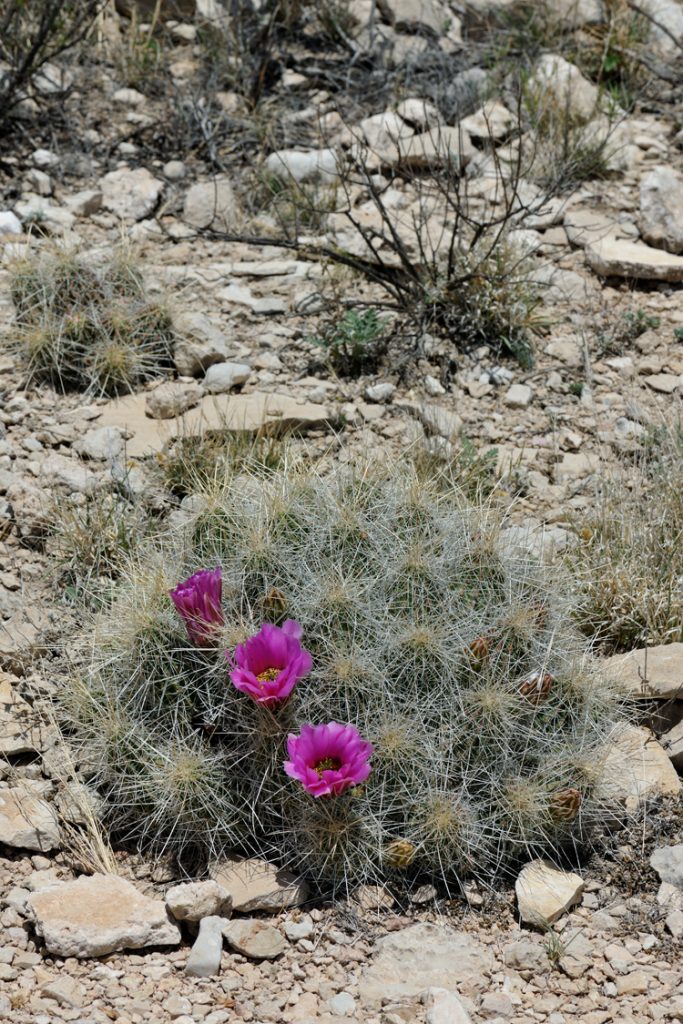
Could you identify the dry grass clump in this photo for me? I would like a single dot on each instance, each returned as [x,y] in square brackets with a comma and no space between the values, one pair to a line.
[88,327]
[449,651]
[628,556]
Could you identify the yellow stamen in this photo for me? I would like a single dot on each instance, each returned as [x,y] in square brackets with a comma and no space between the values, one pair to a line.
[328,764]
[269,676]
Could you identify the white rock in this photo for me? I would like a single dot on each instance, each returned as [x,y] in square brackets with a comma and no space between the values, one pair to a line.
[445,1007]
[222,377]
[433,386]
[544,893]
[649,673]
[59,470]
[342,1005]
[672,744]
[661,209]
[256,885]
[131,194]
[424,956]
[204,960]
[417,15]
[667,25]
[101,443]
[200,343]
[129,98]
[174,170]
[19,731]
[492,121]
[613,257]
[518,396]
[420,113]
[193,901]
[316,165]
[26,821]
[52,79]
[565,85]
[296,930]
[254,938]
[172,399]
[380,392]
[211,204]
[636,768]
[45,159]
[10,223]
[99,914]
[668,863]
[442,146]
[380,131]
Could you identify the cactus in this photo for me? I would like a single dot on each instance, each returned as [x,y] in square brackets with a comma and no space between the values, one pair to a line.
[85,327]
[449,651]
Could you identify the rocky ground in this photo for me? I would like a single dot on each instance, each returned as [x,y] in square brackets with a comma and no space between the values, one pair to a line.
[607,255]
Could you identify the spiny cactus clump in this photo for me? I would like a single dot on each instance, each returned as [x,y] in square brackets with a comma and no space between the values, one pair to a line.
[85,326]
[375,605]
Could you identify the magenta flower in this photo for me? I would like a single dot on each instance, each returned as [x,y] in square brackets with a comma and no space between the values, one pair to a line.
[269,665]
[198,602]
[328,759]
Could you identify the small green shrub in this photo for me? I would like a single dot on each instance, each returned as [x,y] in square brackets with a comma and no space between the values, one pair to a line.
[353,343]
[85,327]
[628,556]
[620,332]
[448,650]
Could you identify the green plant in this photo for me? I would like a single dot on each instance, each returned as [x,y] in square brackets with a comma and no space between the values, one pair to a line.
[191,464]
[88,327]
[613,51]
[627,559]
[353,343]
[446,647]
[622,331]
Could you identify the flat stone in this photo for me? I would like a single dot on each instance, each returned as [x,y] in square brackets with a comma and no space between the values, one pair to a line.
[9,223]
[85,203]
[130,194]
[200,344]
[418,112]
[272,413]
[192,901]
[64,990]
[19,731]
[649,673]
[211,204]
[58,470]
[99,914]
[612,257]
[492,121]
[584,227]
[424,956]
[674,923]
[518,396]
[256,885]
[444,1007]
[438,420]
[172,399]
[438,147]
[665,383]
[380,392]
[204,960]
[575,465]
[254,938]
[636,768]
[544,893]
[661,209]
[525,955]
[26,821]
[668,863]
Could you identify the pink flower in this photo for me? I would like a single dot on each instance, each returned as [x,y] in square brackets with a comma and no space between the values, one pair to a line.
[328,759]
[269,665]
[198,602]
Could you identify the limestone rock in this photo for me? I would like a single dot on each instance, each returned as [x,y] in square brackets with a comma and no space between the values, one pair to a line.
[192,901]
[271,413]
[204,960]
[421,15]
[650,673]
[584,226]
[612,257]
[661,209]
[518,396]
[200,343]
[444,1007]
[292,164]
[256,885]
[637,768]
[223,377]
[544,893]
[492,121]
[102,443]
[99,914]
[667,24]
[254,938]
[425,956]
[19,731]
[130,194]
[381,131]
[565,85]
[172,399]
[419,113]
[211,204]
[438,147]
[668,863]
[26,821]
